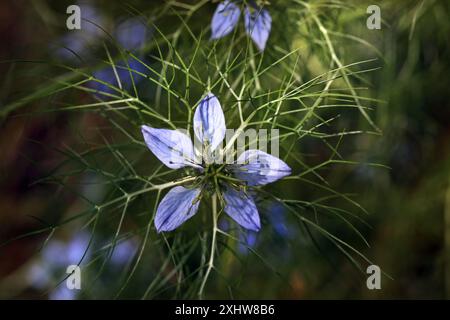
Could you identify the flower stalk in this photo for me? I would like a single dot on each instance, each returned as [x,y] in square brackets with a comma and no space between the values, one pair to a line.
[213,245]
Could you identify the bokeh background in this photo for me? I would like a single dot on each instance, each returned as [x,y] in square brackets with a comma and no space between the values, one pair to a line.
[408,225]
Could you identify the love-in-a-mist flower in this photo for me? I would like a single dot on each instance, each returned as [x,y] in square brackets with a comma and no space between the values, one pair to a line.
[78,43]
[257,22]
[131,35]
[229,181]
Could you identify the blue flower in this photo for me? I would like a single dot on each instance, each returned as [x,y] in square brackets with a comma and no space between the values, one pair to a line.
[247,238]
[229,181]
[59,254]
[131,34]
[257,22]
[277,218]
[56,256]
[125,76]
[77,42]
[123,252]
[247,241]
[63,293]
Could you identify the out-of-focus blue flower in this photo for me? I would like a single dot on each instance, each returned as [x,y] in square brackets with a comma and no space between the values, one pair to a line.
[132,33]
[69,46]
[77,42]
[257,21]
[60,254]
[91,20]
[223,225]
[124,75]
[247,239]
[277,218]
[63,293]
[175,150]
[123,252]
[56,256]
[38,276]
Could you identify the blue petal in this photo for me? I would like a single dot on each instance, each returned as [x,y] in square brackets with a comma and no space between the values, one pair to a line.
[257,24]
[209,121]
[259,168]
[224,19]
[178,205]
[242,209]
[171,147]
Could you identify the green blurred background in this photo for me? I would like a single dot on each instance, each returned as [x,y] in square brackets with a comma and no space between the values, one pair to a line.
[408,204]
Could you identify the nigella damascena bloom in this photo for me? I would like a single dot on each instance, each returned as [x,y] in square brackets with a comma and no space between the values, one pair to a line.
[77,43]
[131,35]
[56,256]
[229,181]
[257,22]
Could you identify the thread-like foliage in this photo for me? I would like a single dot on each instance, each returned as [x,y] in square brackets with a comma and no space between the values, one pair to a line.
[302,84]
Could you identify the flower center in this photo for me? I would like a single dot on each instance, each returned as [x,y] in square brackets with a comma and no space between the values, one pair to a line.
[213,173]
[216,176]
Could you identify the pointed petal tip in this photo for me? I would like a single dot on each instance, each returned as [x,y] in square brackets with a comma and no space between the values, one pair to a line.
[161,229]
[215,37]
[260,168]
[242,209]
[146,129]
[261,47]
[256,227]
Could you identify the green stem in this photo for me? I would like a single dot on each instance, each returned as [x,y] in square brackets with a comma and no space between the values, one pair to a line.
[213,246]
